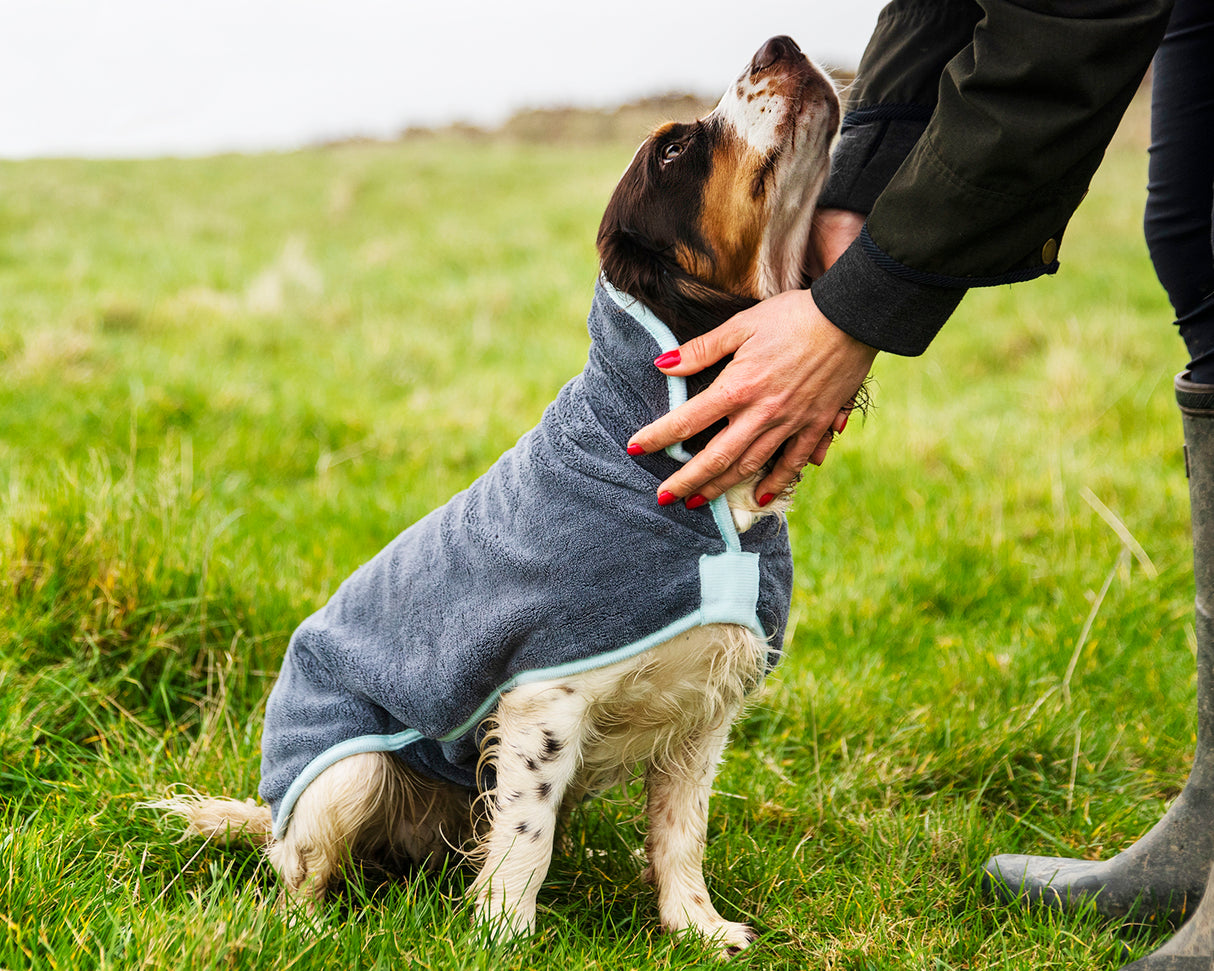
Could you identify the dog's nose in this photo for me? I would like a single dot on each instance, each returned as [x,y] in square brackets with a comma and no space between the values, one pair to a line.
[775,50]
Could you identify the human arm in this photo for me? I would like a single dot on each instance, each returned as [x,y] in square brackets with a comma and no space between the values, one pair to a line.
[967,183]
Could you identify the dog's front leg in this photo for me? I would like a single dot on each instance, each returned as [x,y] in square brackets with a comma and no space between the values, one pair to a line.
[537,751]
[678,788]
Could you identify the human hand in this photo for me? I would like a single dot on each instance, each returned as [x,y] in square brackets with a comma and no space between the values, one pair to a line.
[792,381]
[833,230]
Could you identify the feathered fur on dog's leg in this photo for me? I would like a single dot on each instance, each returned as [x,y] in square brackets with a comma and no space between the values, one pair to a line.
[678,787]
[370,808]
[367,808]
[224,821]
[536,747]
[328,819]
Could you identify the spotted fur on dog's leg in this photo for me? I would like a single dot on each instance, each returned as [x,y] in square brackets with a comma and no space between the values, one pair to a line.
[678,789]
[536,754]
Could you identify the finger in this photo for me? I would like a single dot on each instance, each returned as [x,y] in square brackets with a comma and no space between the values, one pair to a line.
[727,460]
[798,452]
[743,449]
[680,424]
[818,455]
[704,350]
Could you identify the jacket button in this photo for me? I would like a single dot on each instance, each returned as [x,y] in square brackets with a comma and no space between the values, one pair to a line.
[1049,251]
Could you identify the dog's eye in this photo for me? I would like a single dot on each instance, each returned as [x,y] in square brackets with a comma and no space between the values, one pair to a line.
[672,151]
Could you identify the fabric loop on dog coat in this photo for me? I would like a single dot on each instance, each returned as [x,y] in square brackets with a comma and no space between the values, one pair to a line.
[556,561]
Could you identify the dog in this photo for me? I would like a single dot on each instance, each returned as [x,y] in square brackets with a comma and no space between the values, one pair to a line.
[395,741]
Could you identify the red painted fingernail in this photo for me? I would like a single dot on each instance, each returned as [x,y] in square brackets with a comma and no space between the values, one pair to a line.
[635,450]
[669,359]
[843,423]
[696,501]
[667,499]
[766,498]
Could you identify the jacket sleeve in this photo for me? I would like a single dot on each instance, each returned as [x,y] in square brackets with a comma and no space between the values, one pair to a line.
[973,133]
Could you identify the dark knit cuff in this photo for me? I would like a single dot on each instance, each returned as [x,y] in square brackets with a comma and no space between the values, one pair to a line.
[884,311]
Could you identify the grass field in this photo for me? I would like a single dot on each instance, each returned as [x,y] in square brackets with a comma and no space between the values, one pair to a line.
[224,383]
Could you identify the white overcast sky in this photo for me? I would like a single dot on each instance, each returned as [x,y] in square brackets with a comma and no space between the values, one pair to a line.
[185,77]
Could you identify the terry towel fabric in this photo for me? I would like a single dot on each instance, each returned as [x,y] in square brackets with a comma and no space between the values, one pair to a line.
[557,560]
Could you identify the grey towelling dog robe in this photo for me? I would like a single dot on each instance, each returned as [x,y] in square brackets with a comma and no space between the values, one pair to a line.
[557,560]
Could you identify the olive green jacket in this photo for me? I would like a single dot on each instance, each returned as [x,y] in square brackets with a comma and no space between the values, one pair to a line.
[972,132]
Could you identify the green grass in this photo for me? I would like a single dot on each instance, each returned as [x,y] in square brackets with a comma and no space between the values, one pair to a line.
[224,383]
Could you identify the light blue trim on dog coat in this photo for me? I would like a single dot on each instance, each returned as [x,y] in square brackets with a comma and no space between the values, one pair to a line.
[556,561]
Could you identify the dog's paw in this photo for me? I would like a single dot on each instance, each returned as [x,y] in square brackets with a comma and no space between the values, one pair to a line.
[502,925]
[729,938]
[726,937]
[737,938]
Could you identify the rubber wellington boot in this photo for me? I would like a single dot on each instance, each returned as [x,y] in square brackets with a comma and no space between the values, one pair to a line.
[1165,872]
[1192,949]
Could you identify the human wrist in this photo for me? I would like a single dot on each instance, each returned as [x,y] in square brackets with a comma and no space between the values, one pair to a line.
[881,310]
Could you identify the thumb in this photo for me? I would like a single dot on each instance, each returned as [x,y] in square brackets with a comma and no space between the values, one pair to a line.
[705,350]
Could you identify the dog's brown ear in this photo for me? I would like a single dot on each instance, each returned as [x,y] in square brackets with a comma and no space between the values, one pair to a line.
[640,268]
[634,265]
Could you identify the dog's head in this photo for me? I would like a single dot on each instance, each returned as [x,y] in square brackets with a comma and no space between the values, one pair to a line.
[714,215]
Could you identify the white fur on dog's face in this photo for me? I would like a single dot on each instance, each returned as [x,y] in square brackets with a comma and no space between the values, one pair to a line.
[785,111]
[725,203]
